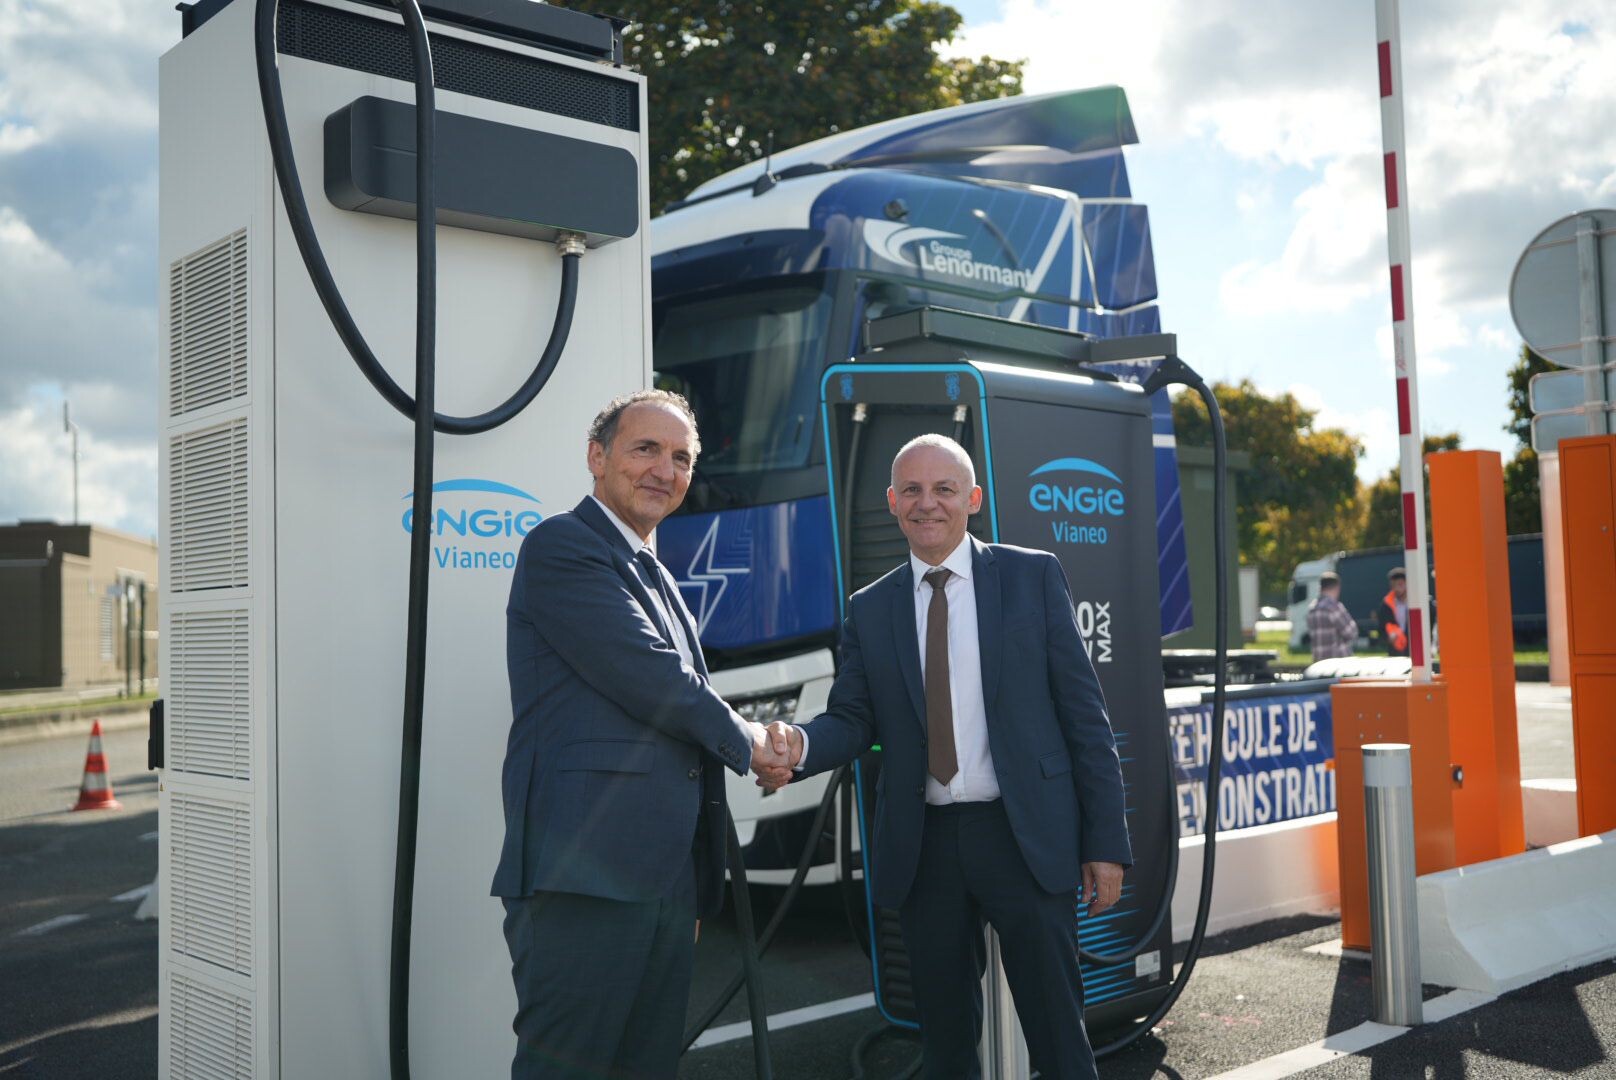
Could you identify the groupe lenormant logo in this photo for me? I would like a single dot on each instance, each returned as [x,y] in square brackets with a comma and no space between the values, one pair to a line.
[938,252]
[479,525]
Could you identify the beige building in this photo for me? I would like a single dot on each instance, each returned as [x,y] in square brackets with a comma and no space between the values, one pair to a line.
[78,606]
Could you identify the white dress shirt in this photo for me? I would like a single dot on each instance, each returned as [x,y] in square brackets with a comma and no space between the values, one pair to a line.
[675,623]
[976,781]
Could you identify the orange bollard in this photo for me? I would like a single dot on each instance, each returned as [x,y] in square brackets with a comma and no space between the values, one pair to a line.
[1478,651]
[95,791]
[1372,711]
[1588,525]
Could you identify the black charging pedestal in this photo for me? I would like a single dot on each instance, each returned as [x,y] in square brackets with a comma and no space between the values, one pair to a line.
[1064,455]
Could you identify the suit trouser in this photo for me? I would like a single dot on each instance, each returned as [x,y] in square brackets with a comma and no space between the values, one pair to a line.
[971,870]
[601,985]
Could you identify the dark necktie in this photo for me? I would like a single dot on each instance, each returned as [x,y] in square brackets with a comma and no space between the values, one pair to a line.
[651,573]
[941,760]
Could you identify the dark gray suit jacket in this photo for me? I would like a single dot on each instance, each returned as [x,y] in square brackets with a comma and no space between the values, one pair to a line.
[1053,751]
[613,769]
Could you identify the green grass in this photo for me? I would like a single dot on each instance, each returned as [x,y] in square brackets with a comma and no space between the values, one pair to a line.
[83,707]
[1278,641]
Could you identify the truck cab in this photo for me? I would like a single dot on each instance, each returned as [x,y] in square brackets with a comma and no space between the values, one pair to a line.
[763,277]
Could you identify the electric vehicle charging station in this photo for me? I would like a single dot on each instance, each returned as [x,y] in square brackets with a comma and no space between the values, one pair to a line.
[286,494]
[1065,459]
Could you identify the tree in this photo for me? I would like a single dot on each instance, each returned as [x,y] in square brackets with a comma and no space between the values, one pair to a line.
[723,75]
[1299,499]
[1383,500]
[1523,512]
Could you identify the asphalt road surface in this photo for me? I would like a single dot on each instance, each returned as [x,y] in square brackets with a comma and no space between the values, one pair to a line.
[78,974]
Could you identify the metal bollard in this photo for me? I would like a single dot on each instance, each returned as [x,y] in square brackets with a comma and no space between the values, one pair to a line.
[1004,1048]
[1393,911]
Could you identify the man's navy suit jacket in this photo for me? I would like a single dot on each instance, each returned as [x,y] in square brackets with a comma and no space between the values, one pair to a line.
[613,768]
[1053,751]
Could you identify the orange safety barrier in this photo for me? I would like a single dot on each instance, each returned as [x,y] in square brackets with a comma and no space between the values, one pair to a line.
[1588,525]
[1471,541]
[1372,711]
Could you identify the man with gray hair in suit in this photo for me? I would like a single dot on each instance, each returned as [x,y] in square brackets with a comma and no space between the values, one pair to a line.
[613,780]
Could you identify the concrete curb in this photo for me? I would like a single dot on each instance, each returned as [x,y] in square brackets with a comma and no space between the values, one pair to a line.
[1263,872]
[1499,925]
[53,723]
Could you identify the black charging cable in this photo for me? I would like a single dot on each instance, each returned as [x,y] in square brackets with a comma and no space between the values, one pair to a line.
[1172,370]
[421,409]
[761,943]
[569,244]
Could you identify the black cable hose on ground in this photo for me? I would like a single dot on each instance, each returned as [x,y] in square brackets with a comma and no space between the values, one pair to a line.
[764,940]
[1174,370]
[308,243]
[762,1066]
[420,408]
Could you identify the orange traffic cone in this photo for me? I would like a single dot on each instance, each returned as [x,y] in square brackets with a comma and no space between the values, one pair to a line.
[95,793]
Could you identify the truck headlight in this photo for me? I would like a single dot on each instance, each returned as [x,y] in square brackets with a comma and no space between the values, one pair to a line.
[768,708]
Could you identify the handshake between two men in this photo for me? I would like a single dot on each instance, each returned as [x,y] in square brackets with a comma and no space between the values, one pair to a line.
[776,752]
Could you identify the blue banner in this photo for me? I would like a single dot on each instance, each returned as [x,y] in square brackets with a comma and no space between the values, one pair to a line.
[1278,760]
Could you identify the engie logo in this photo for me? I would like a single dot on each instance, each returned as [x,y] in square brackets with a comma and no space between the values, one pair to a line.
[480,530]
[938,252]
[1097,493]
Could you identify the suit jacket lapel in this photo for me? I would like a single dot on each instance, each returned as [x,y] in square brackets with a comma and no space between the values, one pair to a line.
[592,515]
[907,637]
[989,617]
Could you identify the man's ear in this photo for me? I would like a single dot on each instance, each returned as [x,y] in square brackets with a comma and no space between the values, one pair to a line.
[975,503]
[892,502]
[597,460]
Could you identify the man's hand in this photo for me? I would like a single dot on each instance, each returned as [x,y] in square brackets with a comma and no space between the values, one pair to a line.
[774,776]
[771,748]
[1102,885]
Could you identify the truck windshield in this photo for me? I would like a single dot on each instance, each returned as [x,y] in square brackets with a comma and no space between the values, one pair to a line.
[749,361]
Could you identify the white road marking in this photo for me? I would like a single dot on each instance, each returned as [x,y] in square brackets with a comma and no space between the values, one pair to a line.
[791,1018]
[132,894]
[1352,1041]
[50,924]
[1334,947]
[131,1016]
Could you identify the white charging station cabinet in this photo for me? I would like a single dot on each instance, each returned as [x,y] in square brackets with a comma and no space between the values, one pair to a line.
[285,484]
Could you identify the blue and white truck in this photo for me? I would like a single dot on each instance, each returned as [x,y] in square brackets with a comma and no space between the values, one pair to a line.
[763,277]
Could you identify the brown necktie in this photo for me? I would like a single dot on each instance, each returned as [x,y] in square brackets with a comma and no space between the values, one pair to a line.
[941,761]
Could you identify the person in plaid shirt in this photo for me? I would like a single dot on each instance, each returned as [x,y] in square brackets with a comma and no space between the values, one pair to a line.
[1330,626]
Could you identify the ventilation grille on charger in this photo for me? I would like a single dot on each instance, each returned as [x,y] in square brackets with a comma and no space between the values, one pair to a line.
[207,510]
[207,326]
[208,704]
[210,1032]
[210,906]
[382,48]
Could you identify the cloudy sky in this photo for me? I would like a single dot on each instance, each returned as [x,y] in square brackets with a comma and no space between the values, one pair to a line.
[1259,158]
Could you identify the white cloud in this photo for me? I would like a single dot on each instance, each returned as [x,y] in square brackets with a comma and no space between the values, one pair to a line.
[1261,151]
[72,66]
[63,330]
[117,481]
